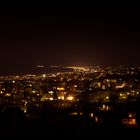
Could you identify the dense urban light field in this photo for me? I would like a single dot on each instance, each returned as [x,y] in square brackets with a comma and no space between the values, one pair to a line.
[97,96]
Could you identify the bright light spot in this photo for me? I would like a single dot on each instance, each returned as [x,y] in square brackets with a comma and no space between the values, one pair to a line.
[60,88]
[107,97]
[8,94]
[25,110]
[96,119]
[25,103]
[128,93]
[103,106]
[51,98]
[33,91]
[124,97]
[107,80]
[13,81]
[107,108]
[120,94]
[70,98]
[130,115]
[38,94]
[51,92]
[74,113]
[44,75]
[99,84]
[132,121]
[90,88]
[91,115]
[121,86]
[61,97]
[75,86]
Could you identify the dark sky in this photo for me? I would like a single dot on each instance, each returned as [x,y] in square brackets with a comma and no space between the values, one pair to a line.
[68,35]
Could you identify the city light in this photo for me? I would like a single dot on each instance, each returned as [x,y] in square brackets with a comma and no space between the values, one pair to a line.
[33,91]
[8,94]
[70,98]
[91,115]
[120,86]
[60,88]
[74,113]
[75,86]
[51,92]
[61,98]
[44,75]
[51,98]
[107,97]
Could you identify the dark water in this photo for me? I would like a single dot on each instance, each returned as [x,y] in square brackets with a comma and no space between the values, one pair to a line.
[34,70]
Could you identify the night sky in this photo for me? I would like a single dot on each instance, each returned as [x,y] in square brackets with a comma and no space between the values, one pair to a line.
[68,35]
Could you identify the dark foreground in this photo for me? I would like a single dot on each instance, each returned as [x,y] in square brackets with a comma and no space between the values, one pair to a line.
[60,124]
